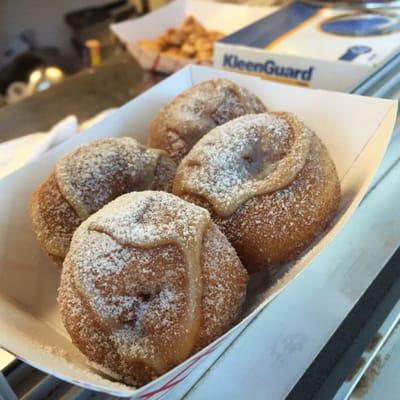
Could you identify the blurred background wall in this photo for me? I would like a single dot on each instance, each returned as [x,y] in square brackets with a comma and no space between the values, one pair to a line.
[44,18]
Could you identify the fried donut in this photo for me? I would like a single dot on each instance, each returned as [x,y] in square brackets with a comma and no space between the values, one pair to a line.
[148,280]
[86,179]
[183,121]
[267,180]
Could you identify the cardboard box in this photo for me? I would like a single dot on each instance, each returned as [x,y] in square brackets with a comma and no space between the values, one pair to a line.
[226,18]
[356,131]
[300,44]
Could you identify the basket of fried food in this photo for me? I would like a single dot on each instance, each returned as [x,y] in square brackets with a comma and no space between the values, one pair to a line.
[191,43]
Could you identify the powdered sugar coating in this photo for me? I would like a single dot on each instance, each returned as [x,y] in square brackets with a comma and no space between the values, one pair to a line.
[266,227]
[53,219]
[193,113]
[273,228]
[87,178]
[135,272]
[224,286]
[248,156]
[144,220]
[99,171]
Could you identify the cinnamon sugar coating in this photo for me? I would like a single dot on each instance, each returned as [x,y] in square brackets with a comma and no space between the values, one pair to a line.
[268,182]
[149,280]
[193,113]
[89,177]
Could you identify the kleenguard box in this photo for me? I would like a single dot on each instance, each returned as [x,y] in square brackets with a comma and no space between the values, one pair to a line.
[311,46]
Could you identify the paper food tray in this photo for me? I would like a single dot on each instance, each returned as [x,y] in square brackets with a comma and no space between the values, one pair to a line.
[355,129]
[211,14]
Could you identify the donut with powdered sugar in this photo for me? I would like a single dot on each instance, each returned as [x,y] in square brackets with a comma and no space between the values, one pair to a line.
[193,113]
[148,280]
[86,179]
[267,180]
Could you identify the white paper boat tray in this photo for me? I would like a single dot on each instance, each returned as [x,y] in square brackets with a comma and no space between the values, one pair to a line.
[211,14]
[355,129]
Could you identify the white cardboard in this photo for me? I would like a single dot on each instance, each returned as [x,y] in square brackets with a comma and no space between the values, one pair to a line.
[330,75]
[355,129]
[212,15]
[307,46]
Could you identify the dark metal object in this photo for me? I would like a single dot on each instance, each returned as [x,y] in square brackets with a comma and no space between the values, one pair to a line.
[355,4]
[363,23]
[23,64]
[84,17]
[94,23]
[27,383]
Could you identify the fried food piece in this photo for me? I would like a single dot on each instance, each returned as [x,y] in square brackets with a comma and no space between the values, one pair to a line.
[191,40]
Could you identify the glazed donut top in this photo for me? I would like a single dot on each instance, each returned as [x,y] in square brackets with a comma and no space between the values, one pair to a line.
[248,156]
[132,299]
[97,172]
